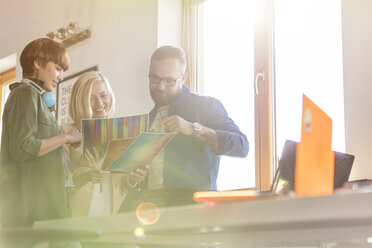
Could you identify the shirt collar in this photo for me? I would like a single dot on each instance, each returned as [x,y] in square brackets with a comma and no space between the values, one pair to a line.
[181,98]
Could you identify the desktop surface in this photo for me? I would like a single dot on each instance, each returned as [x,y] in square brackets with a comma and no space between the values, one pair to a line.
[280,221]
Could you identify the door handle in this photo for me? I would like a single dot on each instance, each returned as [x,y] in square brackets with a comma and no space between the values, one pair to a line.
[258,75]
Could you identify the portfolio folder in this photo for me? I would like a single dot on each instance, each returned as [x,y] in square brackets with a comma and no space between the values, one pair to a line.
[125,155]
[219,196]
[98,132]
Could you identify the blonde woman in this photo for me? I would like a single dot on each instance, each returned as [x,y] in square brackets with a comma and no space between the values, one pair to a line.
[97,192]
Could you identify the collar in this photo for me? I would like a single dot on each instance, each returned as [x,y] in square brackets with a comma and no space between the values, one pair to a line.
[27,81]
[34,83]
[185,92]
[37,81]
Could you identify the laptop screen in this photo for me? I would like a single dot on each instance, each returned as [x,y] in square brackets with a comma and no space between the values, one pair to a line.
[343,165]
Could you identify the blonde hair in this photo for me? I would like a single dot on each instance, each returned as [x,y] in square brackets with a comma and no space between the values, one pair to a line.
[79,106]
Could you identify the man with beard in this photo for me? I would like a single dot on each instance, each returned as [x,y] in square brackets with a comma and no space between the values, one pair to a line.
[191,159]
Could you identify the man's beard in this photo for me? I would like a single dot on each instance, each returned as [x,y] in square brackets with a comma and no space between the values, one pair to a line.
[159,99]
[162,99]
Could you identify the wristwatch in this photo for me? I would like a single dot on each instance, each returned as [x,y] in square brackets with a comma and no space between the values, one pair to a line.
[196,128]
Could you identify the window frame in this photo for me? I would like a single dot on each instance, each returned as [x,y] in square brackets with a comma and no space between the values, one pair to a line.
[264,77]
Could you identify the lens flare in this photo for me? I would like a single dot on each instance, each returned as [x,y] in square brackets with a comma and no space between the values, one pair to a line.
[147,213]
[139,232]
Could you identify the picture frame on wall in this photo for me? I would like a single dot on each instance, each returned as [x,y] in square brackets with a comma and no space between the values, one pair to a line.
[63,95]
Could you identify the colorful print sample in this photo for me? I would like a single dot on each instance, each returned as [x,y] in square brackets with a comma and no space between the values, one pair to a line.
[115,149]
[132,153]
[98,132]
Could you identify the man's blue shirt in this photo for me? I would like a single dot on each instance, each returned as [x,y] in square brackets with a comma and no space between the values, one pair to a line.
[188,162]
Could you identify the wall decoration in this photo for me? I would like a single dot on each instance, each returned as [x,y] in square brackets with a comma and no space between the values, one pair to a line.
[70,34]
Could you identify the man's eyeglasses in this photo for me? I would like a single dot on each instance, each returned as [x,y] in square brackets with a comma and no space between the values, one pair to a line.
[168,82]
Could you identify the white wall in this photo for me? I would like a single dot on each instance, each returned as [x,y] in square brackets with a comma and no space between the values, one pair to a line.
[169,22]
[357,56]
[124,35]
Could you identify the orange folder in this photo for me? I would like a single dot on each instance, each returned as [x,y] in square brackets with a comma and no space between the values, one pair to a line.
[314,171]
[217,196]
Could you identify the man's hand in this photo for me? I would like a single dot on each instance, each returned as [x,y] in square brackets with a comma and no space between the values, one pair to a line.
[206,135]
[176,124]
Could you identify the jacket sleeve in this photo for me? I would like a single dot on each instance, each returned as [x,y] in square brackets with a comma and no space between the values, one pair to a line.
[231,141]
[22,122]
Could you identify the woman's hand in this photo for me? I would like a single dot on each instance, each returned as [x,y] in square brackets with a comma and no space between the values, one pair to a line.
[138,175]
[96,175]
[84,175]
[90,173]
[74,136]
[92,158]
[52,143]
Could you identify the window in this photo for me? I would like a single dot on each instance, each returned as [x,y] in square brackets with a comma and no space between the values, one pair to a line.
[225,71]
[308,59]
[236,44]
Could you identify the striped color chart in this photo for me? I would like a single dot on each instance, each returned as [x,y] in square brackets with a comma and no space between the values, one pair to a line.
[98,132]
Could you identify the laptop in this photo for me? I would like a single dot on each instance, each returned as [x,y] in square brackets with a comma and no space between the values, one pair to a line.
[284,178]
[343,164]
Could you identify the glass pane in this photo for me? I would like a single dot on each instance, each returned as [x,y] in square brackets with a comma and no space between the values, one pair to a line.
[227,73]
[308,60]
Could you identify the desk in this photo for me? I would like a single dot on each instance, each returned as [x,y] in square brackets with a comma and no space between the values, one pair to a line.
[340,220]
[27,237]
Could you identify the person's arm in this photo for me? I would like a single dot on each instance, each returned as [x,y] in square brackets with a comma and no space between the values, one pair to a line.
[177,124]
[231,141]
[209,136]
[22,121]
[84,175]
[220,133]
[48,145]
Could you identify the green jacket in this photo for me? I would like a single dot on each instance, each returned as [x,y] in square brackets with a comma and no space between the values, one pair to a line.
[31,187]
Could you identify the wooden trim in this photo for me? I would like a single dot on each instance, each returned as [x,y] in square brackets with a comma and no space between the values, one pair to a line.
[263,43]
[263,102]
[188,40]
[5,78]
